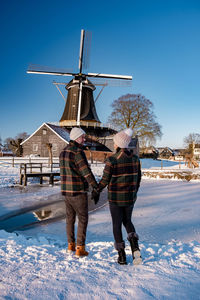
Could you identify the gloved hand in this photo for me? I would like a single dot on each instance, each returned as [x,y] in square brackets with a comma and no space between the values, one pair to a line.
[95,195]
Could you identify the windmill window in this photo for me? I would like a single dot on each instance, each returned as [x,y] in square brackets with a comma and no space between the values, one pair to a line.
[44,131]
[35,147]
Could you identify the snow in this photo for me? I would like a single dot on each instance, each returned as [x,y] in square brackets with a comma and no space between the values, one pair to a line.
[34,263]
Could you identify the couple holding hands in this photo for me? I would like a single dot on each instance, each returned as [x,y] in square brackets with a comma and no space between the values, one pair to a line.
[122,175]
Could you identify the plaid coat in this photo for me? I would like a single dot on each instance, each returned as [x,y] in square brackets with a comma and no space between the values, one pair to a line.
[75,172]
[122,174]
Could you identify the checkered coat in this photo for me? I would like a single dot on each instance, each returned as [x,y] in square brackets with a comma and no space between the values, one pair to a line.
[75,172]
[122,175]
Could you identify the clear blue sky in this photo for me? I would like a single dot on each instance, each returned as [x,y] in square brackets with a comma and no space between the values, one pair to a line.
[157,42]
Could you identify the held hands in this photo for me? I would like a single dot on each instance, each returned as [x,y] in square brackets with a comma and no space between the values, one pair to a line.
[95,195]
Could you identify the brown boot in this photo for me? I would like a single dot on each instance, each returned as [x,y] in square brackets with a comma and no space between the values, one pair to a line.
[80,251]
[71,247]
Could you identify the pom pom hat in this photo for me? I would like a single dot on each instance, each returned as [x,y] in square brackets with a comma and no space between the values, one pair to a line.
[122,139]
[75,133]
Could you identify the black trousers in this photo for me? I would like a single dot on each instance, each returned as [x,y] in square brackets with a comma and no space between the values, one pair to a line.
[121,215]
[76,206]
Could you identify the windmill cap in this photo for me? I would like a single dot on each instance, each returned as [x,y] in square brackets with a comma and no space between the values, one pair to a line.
[123,138]
[75,133]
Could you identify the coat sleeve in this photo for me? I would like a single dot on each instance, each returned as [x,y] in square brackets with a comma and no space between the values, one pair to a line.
[139,176]
[107,174]
[84,169]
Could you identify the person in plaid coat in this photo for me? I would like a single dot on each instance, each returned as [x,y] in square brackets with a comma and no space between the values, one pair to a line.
[122,175]
[76,176]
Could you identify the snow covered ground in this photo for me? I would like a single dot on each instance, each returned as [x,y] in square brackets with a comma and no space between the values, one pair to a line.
[34,263]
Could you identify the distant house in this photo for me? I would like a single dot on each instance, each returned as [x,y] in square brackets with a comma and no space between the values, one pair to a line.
[178,154]
[166,153]
[196,151]
[5,153]
[36,143]
[149,152]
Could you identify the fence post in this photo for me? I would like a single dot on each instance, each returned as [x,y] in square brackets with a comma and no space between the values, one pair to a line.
[161,164]
[13,161]
[25,176]
[21,175]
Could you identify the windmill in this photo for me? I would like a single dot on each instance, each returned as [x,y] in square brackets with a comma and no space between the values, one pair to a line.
[80,107]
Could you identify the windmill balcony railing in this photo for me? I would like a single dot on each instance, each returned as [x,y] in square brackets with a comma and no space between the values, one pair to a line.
[88,124]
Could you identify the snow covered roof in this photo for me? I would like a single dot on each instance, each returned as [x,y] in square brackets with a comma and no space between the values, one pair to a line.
[61,131]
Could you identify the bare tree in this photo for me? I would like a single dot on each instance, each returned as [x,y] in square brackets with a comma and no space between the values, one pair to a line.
[13,144]
[49,147]
[7,145]
[16,147]
[189,140]
[192,138]
[22,135]
[136,112]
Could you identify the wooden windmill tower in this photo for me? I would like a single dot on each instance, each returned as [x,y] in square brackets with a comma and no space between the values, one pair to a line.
[80,107]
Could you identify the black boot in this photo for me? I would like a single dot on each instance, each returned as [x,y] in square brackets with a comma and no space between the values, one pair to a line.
[122,257]
[133,239]
[121,252]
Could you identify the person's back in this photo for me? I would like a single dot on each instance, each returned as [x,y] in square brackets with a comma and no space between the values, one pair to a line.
[126,174]
[72,180]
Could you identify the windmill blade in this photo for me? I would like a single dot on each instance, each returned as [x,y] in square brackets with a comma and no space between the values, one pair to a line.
[103,82]
[101,75]
[81,50]
[110,81]
[88,84]
[86,50]
[37,69]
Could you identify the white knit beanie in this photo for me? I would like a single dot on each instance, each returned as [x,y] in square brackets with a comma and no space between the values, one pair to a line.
[122,139]
[75,133]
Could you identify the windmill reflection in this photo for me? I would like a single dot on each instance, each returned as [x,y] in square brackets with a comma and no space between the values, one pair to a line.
[51,211]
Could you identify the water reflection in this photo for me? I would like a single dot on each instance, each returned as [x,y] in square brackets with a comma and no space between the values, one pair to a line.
[51,211]
[48,213]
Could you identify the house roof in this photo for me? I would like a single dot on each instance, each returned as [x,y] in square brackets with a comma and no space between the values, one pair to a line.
[166,149]
[61,132]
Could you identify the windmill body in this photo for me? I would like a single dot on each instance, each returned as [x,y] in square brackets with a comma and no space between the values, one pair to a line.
[80,107]
[87,107]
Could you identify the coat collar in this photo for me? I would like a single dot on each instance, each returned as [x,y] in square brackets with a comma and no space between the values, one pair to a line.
[76,144]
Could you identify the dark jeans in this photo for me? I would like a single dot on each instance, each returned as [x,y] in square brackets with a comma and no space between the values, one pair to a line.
[121,215]
[77,205]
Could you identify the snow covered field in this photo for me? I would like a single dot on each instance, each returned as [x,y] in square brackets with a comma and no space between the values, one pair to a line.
[34,263]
